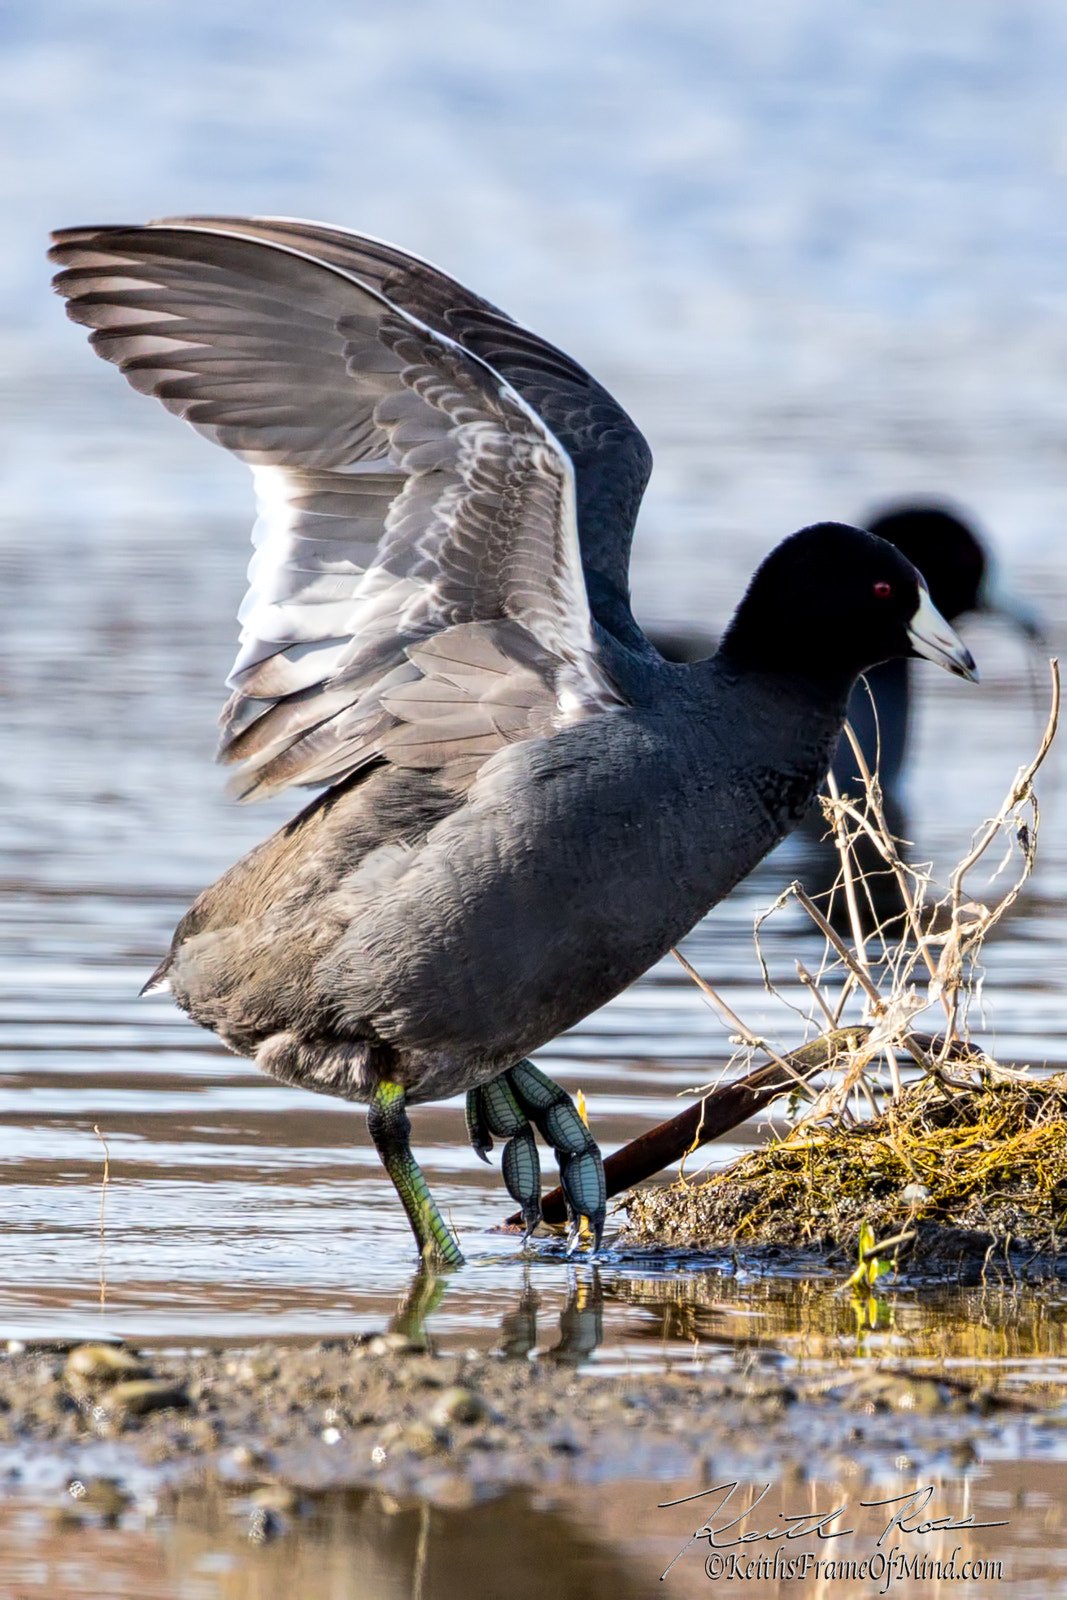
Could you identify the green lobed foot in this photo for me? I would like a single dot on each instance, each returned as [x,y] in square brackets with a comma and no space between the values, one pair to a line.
[493,1109]
[581,1170]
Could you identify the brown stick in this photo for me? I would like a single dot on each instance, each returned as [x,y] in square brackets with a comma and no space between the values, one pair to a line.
[710,1118]
[722,1110]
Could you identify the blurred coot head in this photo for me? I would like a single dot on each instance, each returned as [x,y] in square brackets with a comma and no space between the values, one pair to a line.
[946,549]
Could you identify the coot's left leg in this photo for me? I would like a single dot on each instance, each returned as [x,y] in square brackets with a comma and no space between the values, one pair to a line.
[581,1169]
[390,1129]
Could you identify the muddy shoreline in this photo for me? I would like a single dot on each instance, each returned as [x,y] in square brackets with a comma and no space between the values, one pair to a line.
[93,1426]
[937,1254]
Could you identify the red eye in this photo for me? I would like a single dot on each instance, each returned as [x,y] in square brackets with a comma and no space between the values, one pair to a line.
[883,590]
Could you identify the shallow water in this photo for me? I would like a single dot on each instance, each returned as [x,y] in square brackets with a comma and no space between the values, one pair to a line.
[821,263]
[578,1541]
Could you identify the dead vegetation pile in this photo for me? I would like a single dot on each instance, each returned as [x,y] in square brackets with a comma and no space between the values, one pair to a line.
[971,1157]
[989,1158]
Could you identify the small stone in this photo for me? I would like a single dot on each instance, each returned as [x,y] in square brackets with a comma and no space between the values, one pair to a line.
[97,1499]
[458,1405]
[274,1497]
[146,1394]
[390,1344]
[103,1363]
[256,1369]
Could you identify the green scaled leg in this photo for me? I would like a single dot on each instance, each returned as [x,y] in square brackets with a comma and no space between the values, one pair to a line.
[391,1131]
[581,1170]
[493,1109]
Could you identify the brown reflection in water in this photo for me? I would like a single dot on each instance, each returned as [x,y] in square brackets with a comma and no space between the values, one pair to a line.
[344,1544]
[1020,1332]
[580,1321]
[584,1542]
[1008,1336]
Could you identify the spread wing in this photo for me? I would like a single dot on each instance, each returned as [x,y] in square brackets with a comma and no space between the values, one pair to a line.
[416,591]
[611,459]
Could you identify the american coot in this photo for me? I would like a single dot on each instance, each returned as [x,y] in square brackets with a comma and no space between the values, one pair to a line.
[524,806]
[952,558]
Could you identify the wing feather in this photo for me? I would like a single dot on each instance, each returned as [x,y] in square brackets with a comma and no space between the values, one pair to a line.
[611,458]
[409,497]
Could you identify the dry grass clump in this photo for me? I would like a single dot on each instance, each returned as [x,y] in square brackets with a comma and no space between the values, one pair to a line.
[991,1157]
[968,1144]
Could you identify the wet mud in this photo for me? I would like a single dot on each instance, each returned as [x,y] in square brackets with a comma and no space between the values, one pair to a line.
[274,1422]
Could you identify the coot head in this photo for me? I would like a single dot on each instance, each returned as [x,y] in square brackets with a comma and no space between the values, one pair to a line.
[833,600]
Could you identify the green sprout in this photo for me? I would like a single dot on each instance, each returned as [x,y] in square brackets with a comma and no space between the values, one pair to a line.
[871,1266]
